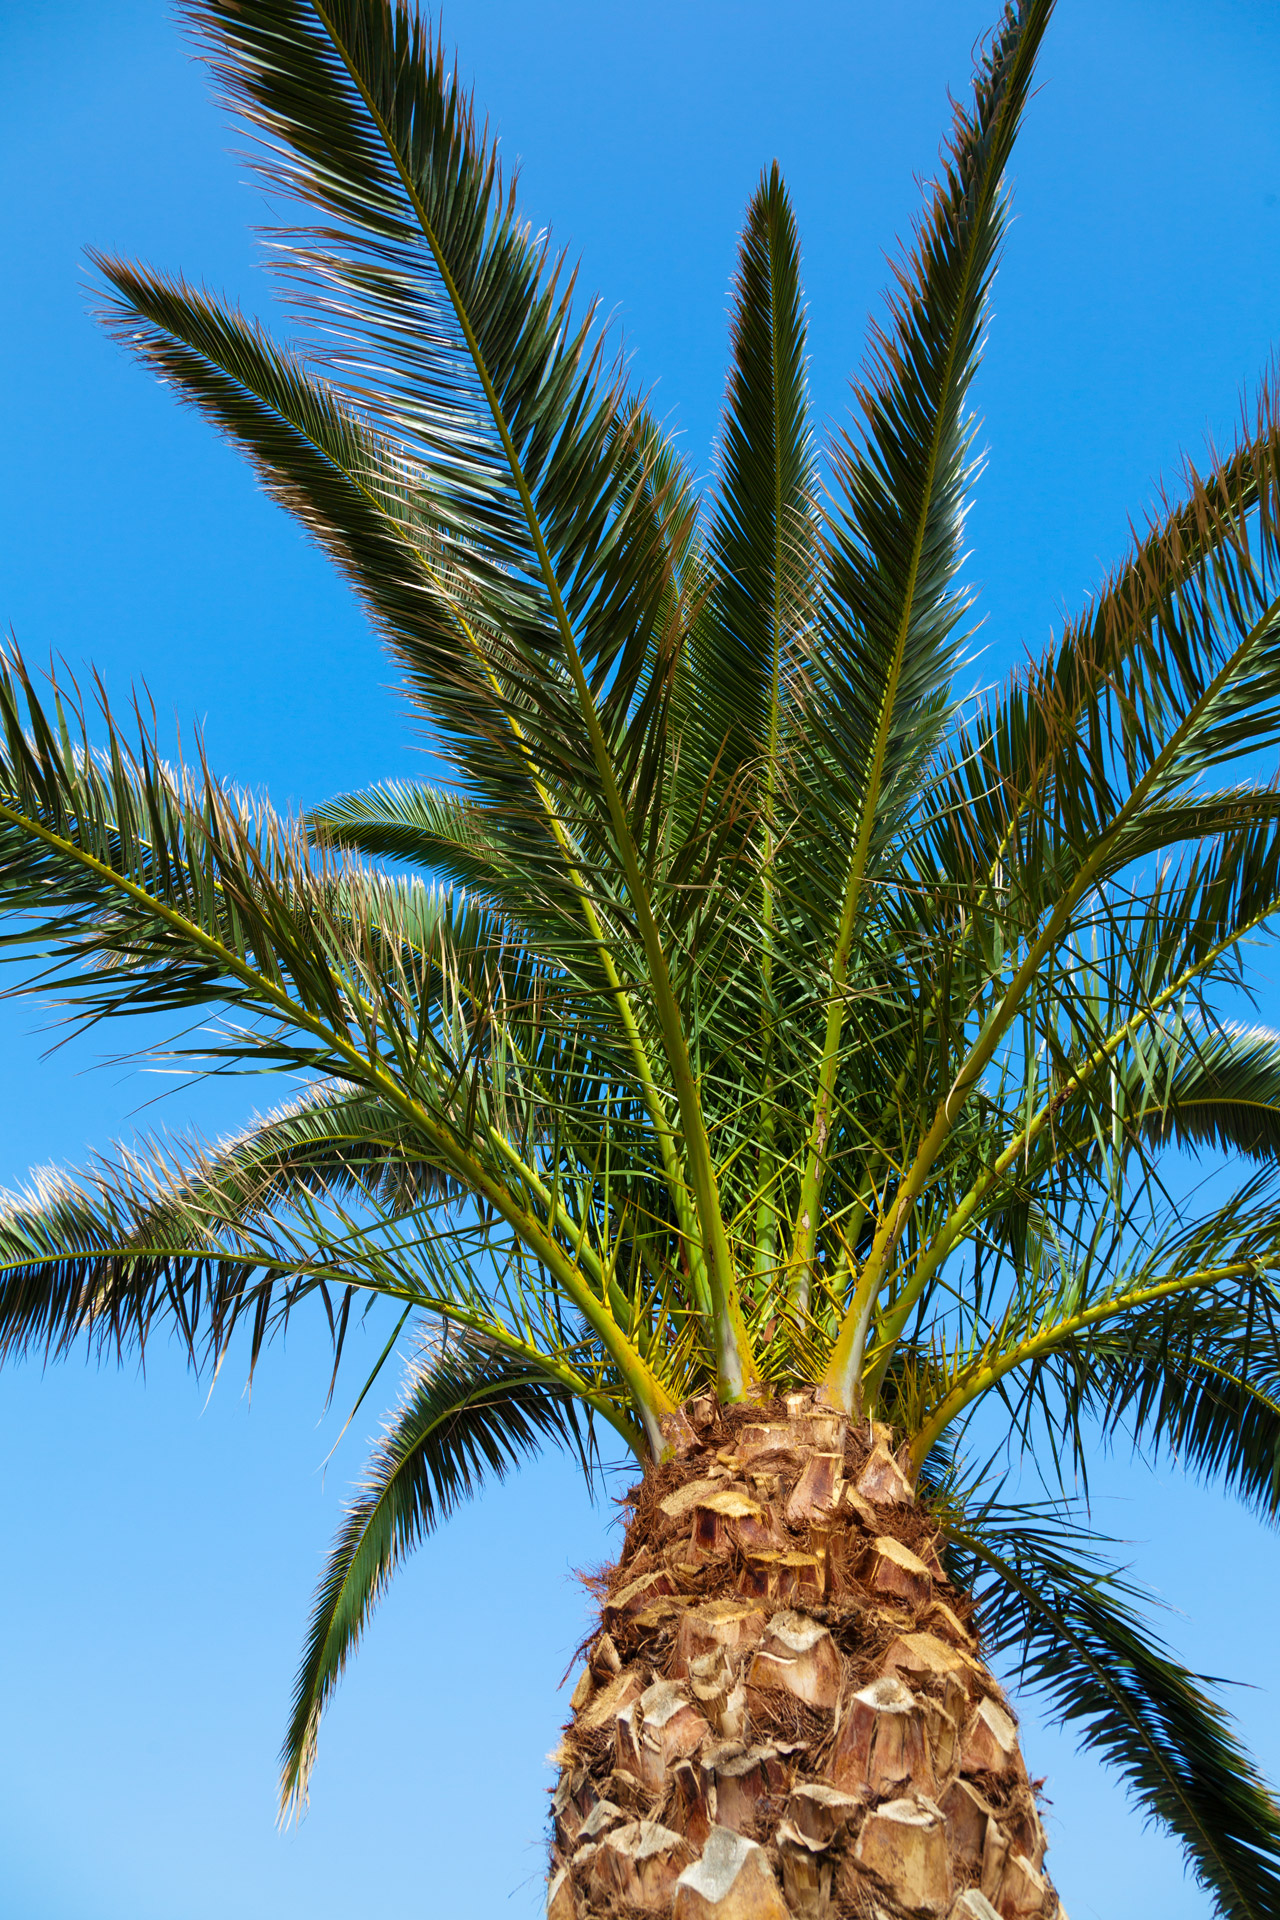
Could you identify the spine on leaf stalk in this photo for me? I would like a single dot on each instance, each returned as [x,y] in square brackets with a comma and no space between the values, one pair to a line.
[784,1710]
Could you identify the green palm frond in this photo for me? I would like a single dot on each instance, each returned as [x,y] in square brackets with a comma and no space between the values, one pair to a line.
[467,1415]
[763,539]
[1101,1277]
[355,977]
[1194,1381]
[145,887]
[206,1237]
[148,888]
[1087,761]
[1225,1093]
[363,495]
[429,827]
[498,393]
[328,1202]
[1178,1080]
[1067,1622]
[1210,1397]
[372,507]
[74,1267]
[892,603]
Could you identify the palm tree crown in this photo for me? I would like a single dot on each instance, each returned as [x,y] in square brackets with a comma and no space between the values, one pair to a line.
[747,1011]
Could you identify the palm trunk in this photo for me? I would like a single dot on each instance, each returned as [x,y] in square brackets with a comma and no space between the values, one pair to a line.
[785,1712]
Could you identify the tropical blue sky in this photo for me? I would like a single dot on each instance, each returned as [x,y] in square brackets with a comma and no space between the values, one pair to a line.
[161,1543]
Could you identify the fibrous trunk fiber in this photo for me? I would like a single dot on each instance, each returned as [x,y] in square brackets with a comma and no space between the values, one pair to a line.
[785,1712]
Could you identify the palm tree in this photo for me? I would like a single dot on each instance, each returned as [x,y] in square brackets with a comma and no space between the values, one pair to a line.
[755,1051]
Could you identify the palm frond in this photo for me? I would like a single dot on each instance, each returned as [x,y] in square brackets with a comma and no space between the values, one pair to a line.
[197,1238]
[1088,760]
[149,888]
[893,601]
[1225,1094]
[468,1414]
[358,489]
[532,456]
[427,827]
[891,604]
[1194,1382]
[1067,1621]
[763,539]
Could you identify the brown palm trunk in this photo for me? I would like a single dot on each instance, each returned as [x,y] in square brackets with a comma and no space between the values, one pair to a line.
[785,1712]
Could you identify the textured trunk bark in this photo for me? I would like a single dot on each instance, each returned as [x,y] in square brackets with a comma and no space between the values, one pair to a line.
[785,1712]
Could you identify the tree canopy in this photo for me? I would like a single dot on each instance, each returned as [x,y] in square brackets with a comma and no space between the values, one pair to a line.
[749,1008]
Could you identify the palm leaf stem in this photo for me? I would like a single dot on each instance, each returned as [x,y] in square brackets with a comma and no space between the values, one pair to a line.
[845,1373]
[979,1380]
[735,1362]
[859,1309]
[651,1397]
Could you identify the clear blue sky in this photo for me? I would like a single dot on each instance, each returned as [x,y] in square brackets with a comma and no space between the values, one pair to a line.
[160,1553]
